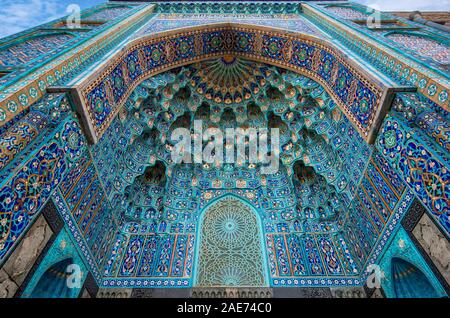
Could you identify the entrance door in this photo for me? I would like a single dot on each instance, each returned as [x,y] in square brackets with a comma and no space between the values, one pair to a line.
[230,251]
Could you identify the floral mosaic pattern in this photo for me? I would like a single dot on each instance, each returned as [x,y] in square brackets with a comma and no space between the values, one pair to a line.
[423,168]
[287,253]
[24,193]
[22,89]
[292,22]
[404,70]
[358,97]
[152,260]
[378,197]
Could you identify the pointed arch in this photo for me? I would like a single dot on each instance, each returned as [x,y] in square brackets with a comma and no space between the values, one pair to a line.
[409,281]
[361,96]
[53,283]
[230,249]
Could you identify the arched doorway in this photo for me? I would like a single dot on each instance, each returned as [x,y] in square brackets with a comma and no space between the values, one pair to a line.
[409,281]
[53,283]
[230,250]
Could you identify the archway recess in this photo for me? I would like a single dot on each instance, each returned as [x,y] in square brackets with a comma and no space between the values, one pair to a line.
[230,249]
[409,281]
[53,283]
[361,95]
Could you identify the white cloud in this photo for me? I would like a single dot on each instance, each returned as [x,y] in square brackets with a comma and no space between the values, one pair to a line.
[407,5]
[17,15]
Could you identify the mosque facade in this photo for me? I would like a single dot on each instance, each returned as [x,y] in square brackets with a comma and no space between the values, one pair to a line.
[98,199]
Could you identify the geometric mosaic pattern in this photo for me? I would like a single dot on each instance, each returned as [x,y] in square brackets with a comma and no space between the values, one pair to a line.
[151,260]
[230,252]
[378,197]
[336,138]
[181,222]
[346,12]
[169,21]
[26,51]
[402,66]
[423,46]
[82,194]
[107,13]
[24,192]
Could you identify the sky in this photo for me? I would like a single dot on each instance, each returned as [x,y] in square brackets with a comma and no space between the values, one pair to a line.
[18,15]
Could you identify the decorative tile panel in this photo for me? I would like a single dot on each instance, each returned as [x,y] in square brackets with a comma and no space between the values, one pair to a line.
[25,192]
[354,91]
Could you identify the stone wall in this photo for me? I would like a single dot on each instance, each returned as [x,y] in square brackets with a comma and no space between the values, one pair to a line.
[348,292]
[18,265]
[430,240]
[434,244]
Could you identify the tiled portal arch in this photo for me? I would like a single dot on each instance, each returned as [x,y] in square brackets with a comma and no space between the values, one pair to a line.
[361,95]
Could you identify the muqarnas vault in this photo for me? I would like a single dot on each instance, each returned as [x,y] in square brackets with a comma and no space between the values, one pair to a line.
[93,205]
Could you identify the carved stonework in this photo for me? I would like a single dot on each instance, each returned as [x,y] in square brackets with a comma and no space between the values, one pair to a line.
[52,217]
[413,215]
[218,292]
[7,286]
[305,292]
[22,263]
[114,293]
[142,293]
[434,244]
[161,293]
[27,256]
[430,241]
[348,292]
